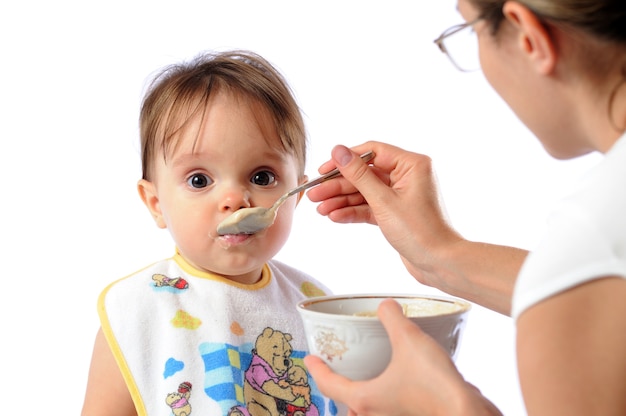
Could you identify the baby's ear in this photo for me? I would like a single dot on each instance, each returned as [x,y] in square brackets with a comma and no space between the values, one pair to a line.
[148,193]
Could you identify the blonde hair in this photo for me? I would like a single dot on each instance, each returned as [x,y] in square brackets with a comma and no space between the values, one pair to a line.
[180,92]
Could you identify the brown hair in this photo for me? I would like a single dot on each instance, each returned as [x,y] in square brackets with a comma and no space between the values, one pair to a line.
[606,19]
[180,92]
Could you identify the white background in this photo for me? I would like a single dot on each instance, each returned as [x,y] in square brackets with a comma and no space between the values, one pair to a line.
[73,74]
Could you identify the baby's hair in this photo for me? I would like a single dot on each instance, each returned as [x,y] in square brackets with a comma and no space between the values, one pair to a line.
[180,92]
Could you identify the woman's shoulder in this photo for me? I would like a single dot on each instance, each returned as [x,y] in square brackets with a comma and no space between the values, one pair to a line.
[600,193]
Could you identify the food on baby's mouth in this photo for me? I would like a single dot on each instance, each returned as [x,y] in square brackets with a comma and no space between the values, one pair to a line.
[418,309]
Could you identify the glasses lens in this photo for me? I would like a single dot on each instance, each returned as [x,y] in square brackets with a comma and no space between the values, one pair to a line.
[462,48]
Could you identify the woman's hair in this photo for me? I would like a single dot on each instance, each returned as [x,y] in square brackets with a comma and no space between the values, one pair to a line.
[179,93]
[606,19]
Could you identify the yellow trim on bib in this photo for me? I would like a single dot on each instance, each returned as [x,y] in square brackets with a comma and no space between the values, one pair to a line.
[266,275]
[119,356]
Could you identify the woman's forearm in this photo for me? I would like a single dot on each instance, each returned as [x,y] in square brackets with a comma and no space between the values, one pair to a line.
[479,272]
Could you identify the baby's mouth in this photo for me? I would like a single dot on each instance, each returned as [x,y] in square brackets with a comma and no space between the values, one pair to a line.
[235,238]
[227,241]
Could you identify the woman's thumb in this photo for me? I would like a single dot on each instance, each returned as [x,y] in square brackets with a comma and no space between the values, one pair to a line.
[342,156]
[392,317]
[357,172]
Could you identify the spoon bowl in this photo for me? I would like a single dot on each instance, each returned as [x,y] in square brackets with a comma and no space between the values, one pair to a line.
[252,220]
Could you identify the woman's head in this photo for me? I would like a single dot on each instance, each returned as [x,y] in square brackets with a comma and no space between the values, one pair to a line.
[559,64]
[180,93]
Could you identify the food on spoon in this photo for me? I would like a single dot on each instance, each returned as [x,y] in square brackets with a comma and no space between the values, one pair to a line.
[253,220]
[246,221]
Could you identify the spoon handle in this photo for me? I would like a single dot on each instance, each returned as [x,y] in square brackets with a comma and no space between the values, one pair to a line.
[330,175]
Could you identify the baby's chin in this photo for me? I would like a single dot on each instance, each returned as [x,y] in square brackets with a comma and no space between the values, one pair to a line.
[246,275]
[247,271]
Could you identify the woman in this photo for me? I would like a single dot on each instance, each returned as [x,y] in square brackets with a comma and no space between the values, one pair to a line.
[561,67]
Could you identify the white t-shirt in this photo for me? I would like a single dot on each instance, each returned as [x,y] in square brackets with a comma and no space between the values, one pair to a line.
[585,237]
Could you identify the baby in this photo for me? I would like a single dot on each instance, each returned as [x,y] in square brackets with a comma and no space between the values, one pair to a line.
[220,133]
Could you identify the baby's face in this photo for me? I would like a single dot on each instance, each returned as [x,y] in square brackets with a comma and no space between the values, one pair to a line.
[230,166]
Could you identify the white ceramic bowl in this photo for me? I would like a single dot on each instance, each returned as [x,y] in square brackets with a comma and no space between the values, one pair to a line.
[344,331]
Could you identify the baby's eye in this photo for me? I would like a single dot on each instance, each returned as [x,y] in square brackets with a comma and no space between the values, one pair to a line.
[199,181]
[263,178]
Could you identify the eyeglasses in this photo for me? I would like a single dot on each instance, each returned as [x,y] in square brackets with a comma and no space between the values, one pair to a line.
[462,49]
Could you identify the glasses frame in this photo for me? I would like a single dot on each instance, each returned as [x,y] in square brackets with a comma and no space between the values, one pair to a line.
[449,32]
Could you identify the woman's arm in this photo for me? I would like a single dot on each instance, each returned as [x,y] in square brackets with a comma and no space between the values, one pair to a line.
[571,351]
[479,272]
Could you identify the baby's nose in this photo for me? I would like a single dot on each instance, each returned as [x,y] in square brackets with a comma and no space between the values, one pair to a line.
[235,199]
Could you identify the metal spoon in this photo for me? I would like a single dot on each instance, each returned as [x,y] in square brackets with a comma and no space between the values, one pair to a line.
[253,220]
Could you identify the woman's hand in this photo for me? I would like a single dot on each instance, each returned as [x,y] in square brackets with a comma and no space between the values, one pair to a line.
[421,379]
[398,192]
